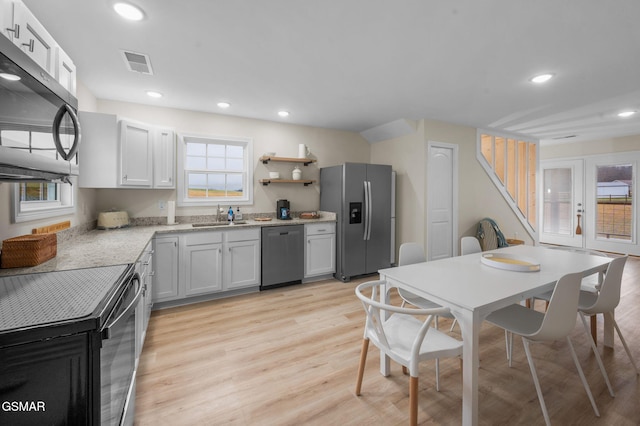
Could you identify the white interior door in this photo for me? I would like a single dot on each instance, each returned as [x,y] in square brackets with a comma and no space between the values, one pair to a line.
[442,199]
[562,204]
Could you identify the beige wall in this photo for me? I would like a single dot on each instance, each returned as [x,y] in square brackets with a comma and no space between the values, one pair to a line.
[329,147]
[478,197]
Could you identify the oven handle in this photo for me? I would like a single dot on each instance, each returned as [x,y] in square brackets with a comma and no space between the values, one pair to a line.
[106,331]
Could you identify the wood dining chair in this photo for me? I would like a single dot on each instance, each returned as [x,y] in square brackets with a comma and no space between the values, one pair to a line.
[404,338]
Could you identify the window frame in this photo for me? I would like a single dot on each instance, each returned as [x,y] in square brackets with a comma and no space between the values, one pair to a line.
[64,205]
[182,181]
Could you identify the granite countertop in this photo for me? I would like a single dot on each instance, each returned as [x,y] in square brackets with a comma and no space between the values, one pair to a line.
[122,246]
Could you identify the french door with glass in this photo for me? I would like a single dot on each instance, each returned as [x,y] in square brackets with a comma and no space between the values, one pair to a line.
[589,203]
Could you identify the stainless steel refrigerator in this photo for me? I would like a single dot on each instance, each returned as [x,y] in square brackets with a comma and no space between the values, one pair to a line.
[361,196]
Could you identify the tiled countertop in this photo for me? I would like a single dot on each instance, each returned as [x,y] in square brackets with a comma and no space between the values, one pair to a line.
[119,246]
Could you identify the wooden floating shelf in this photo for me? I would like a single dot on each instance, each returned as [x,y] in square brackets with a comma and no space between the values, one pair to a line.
[306,161]
[305,182]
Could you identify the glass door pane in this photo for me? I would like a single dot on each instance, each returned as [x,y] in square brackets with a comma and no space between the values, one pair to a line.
[562,197]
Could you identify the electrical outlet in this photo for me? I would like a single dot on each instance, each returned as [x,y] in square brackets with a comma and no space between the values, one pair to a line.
[162,204]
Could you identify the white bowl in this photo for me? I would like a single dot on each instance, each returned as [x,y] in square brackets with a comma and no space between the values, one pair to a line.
[274,175]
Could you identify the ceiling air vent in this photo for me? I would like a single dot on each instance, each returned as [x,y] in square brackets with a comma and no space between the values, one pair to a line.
[137,62]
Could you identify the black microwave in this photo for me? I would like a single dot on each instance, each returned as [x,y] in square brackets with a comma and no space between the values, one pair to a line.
[39,129]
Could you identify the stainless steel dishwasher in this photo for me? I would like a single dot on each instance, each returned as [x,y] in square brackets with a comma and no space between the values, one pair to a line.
[282,255]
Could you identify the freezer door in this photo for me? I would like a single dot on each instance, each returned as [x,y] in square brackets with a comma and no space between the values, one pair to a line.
[353,246]
[378,246]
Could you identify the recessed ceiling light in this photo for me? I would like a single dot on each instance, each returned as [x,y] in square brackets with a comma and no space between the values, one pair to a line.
[129,11]
[10,77]
[153,94]
[542,78]
[625,114]
[224,104]
[283,113]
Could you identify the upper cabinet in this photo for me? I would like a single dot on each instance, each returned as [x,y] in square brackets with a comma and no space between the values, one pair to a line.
[26,32]
[125,154]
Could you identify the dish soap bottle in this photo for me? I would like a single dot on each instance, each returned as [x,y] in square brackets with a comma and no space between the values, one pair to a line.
[238,214]
[230,214]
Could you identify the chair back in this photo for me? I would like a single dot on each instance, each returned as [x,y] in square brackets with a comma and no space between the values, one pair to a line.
[375,318]
[609,295]
[411,253]
[469,245]
[562,312]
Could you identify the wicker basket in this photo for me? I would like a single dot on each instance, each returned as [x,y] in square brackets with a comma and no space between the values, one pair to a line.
[28,250]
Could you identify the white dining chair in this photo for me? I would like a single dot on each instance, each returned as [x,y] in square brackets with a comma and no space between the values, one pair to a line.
[555,324]
[404,338]
[469,245]
[605,302]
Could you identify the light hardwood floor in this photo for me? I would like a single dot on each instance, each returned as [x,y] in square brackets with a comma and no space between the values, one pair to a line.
[289,356]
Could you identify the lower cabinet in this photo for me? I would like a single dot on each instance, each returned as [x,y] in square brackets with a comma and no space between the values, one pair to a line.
[144,267]
[202,263]
[165,259]
[205,262]
[320,249]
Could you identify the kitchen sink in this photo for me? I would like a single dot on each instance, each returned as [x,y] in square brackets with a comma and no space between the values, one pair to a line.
[204,224]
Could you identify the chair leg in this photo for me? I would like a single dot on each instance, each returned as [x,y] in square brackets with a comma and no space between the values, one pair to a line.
[438,374]
[508,341]
[363,360]
[594,329]
[584,379]
[534,375]
[624,342]
[413,401]
[453,324]
[597,354]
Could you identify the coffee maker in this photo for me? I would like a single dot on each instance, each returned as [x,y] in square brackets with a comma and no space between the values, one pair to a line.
[282,210]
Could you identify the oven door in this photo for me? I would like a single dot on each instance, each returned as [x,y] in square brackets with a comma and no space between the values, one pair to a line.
[118,356]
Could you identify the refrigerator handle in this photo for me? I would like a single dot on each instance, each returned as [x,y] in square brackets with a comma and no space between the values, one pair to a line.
[369,210]
[366,212]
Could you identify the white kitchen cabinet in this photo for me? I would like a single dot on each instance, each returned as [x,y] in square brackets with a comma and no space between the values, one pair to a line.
[320,249]
[202,263]
[125,154]
[33,38]
[165,261]
[242,259]
[65,71]
[136,154]
[164,159]
[6,18]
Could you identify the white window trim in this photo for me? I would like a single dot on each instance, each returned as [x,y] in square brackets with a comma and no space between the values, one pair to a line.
[45,210]
[183,201]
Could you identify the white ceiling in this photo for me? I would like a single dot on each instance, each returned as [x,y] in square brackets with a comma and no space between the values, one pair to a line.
[358,64]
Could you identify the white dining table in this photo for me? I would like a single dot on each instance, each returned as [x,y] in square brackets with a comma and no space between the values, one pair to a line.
[472,290]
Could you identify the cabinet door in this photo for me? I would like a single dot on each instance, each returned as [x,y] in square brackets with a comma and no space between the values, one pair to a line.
[320,256]
[136,154]
[242,264]
[164,159]
[34,40]
[165,285]
[65,71]
[203,268]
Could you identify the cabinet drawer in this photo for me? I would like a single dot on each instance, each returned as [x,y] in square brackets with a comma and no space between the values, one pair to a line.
[320,228]
[197,238]
[243,235]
